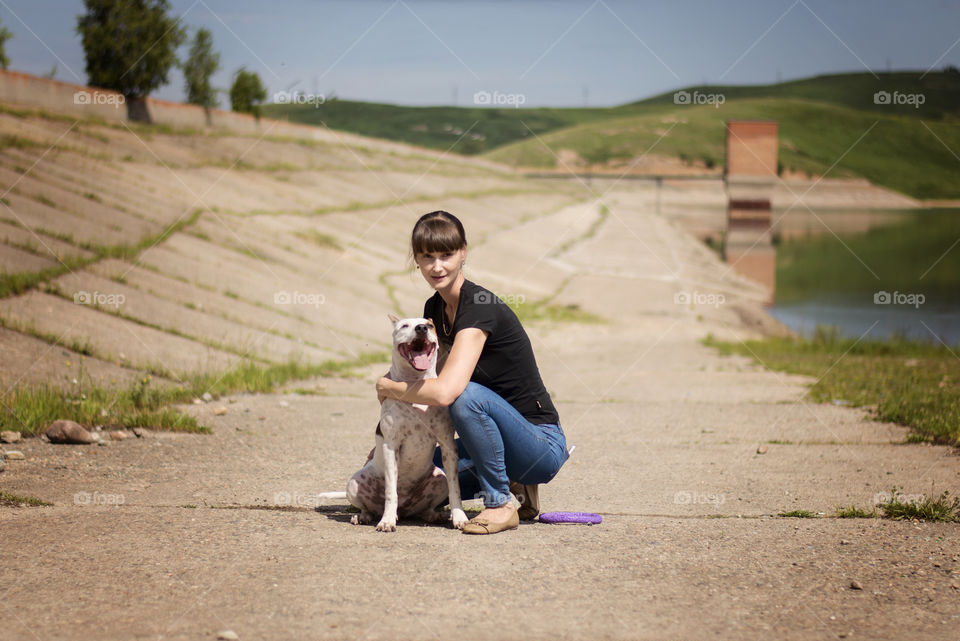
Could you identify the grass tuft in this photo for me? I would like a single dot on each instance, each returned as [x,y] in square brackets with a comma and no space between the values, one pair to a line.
[250,377]
[854,512]
[20,282]
[798,514]
[30,410]
[16,142]
[14,500]
[927,508]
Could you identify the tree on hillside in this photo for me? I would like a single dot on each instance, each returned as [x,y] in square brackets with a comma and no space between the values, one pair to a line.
[4,36]
[201,64]
[130,46]
[247,92]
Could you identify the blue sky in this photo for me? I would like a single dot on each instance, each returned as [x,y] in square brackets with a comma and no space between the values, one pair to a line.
[556,53]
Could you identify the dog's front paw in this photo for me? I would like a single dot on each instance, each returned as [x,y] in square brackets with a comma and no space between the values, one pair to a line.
[387,526]
[459,518]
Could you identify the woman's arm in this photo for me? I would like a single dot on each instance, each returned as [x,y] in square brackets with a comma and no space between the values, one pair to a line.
[452,380]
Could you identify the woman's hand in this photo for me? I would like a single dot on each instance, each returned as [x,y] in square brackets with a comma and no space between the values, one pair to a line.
[386,388]
[444,389]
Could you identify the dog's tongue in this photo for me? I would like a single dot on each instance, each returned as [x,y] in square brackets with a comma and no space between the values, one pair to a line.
[422,360]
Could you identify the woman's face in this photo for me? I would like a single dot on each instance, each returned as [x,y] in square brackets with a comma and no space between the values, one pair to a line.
[441,268]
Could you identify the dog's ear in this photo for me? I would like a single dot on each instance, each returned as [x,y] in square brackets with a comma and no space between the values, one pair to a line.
[393,319]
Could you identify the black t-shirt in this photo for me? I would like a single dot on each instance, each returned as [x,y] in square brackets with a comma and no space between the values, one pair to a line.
[507,365]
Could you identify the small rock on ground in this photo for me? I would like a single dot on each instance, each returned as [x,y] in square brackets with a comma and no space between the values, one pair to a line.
[69,432]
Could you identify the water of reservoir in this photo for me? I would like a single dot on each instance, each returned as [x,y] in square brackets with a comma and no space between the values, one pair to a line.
[870,273]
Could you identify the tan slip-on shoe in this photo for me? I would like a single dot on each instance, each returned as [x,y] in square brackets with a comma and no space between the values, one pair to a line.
[480,525]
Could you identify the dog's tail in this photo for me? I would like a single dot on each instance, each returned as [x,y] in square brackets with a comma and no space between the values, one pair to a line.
[331,495]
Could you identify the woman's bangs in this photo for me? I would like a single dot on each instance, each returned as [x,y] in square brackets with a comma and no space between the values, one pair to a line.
[436,237]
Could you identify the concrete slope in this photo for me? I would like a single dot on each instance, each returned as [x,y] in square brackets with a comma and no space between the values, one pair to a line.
[197,251]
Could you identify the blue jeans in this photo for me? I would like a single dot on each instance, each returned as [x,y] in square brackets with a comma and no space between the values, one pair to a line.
[498,445]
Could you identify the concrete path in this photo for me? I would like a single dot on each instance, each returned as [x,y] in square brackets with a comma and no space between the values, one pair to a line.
[222,532]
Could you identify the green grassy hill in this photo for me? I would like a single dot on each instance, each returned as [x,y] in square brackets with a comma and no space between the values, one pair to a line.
[910,147]
[910,155]
[464,130]
[940,90]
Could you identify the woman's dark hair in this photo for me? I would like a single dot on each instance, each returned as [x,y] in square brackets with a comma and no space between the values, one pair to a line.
[438,231]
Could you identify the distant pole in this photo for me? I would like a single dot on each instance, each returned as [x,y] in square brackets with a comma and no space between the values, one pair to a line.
[889,65]
[659,187]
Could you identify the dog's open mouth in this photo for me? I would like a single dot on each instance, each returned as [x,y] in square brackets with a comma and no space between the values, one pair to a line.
[418,353]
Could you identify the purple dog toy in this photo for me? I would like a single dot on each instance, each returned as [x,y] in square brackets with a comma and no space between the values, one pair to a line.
[570,517]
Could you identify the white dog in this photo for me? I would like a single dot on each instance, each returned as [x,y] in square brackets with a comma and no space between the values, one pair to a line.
[401,479]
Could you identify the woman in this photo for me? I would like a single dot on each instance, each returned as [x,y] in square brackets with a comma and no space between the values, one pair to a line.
[510,434]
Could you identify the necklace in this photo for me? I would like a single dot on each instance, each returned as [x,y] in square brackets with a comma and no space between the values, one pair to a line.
[443,319]
[443,314]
